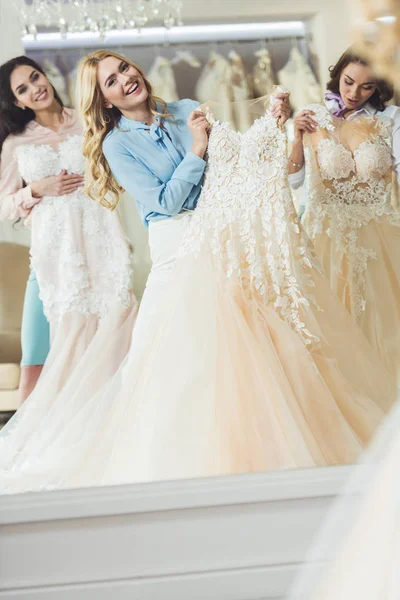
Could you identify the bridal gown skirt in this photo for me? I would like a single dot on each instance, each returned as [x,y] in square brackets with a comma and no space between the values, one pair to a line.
[243,361]
[372,296]
[222,386]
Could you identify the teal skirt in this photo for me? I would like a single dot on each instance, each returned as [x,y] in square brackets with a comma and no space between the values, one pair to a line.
[35,330]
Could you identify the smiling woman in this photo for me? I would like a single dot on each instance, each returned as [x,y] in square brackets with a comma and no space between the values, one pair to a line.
[41,179]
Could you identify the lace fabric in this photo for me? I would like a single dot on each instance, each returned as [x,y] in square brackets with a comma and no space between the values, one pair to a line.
[74,269]
[349,185]
[251,235]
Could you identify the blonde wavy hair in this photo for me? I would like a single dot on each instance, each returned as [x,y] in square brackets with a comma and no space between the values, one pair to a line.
[98,122]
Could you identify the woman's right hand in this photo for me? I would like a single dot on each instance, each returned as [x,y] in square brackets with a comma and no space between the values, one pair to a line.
[57,185]
[304,123]
[199,127]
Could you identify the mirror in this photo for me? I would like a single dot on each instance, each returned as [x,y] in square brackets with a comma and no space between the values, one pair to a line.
[239,338]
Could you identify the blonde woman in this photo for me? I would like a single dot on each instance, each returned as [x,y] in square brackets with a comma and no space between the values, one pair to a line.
[153,150]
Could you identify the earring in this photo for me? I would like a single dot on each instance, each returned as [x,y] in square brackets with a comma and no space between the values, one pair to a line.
[23,107]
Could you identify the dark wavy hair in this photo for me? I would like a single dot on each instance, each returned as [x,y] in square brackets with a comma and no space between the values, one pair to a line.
[384,90]
[13,120]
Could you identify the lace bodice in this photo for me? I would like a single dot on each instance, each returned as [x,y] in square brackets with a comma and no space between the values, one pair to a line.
[79,251]
[349,184]
[245,217]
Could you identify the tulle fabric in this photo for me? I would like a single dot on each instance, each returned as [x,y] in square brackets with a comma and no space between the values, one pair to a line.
[224,386]
[380,320]
[85,353]
[356,553]
[249,363]
[354,224]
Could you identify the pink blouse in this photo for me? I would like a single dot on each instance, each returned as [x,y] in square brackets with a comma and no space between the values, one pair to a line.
[16,198]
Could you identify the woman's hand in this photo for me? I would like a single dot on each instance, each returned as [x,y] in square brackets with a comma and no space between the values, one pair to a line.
[199,127]
[281,108]
[304,123]
[57,185]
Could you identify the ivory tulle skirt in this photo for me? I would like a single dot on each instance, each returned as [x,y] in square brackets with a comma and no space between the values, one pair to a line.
[222,385]
[370,294]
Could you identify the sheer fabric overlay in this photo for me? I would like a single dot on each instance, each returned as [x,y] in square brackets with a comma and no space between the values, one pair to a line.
[354,226]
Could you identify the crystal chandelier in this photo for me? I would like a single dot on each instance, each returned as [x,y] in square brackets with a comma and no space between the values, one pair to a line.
[96,16]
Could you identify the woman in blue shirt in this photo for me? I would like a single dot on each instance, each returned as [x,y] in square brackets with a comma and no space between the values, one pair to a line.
[134,141]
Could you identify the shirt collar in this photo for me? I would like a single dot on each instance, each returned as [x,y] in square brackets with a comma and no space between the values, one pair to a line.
[131,125]
[367,109]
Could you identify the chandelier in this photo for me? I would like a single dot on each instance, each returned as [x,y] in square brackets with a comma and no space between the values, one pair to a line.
[96,16]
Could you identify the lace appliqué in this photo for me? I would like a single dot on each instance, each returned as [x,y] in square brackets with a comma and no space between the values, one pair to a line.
[322,116]
[335,161]
[245,219]
[82,258]
[339,205]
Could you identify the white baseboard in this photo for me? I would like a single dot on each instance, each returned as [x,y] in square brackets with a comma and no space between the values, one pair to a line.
[234,538]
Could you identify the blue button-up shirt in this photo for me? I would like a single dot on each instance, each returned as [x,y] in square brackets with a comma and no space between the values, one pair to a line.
[154,164]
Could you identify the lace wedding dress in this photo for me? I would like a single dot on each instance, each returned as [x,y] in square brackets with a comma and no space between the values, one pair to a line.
[353,225]
[250,363]
[82,261]
[298,76]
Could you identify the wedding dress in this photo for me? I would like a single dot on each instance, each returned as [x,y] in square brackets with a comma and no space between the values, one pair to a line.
[250,362]
[263,77]
[82,262]
[162,79]
[215,82]
[353,225]
[297,76]
[57,79]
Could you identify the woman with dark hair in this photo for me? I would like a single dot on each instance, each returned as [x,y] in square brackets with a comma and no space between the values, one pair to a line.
[348,153]
[77,249]
[17,199]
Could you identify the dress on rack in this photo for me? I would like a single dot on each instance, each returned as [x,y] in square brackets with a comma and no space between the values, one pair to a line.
[263,77]
[298,77]
[250,363]
[352,223]
[57,79]
[162,79]
[83,264]
[215,82]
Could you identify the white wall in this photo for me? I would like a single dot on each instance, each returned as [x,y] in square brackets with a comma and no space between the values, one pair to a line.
[10,32]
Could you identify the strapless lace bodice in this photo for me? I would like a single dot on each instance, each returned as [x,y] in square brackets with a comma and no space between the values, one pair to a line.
[246,219]
[79,251]
[38,161]
[349,170]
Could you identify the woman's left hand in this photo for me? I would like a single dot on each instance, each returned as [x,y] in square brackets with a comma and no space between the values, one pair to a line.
[281,109]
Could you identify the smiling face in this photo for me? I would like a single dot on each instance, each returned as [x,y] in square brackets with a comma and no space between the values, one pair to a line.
[121,84]
[31,88]
[356,85]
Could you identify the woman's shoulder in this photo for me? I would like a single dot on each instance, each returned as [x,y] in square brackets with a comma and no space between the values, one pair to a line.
[392,112]
[182,106]
[12,142]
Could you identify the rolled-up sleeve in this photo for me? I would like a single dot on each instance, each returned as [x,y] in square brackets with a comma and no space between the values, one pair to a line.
[16,199]
[165,198]
[296,180]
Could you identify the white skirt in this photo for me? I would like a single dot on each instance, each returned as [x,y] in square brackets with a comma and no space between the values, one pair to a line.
[165,238]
